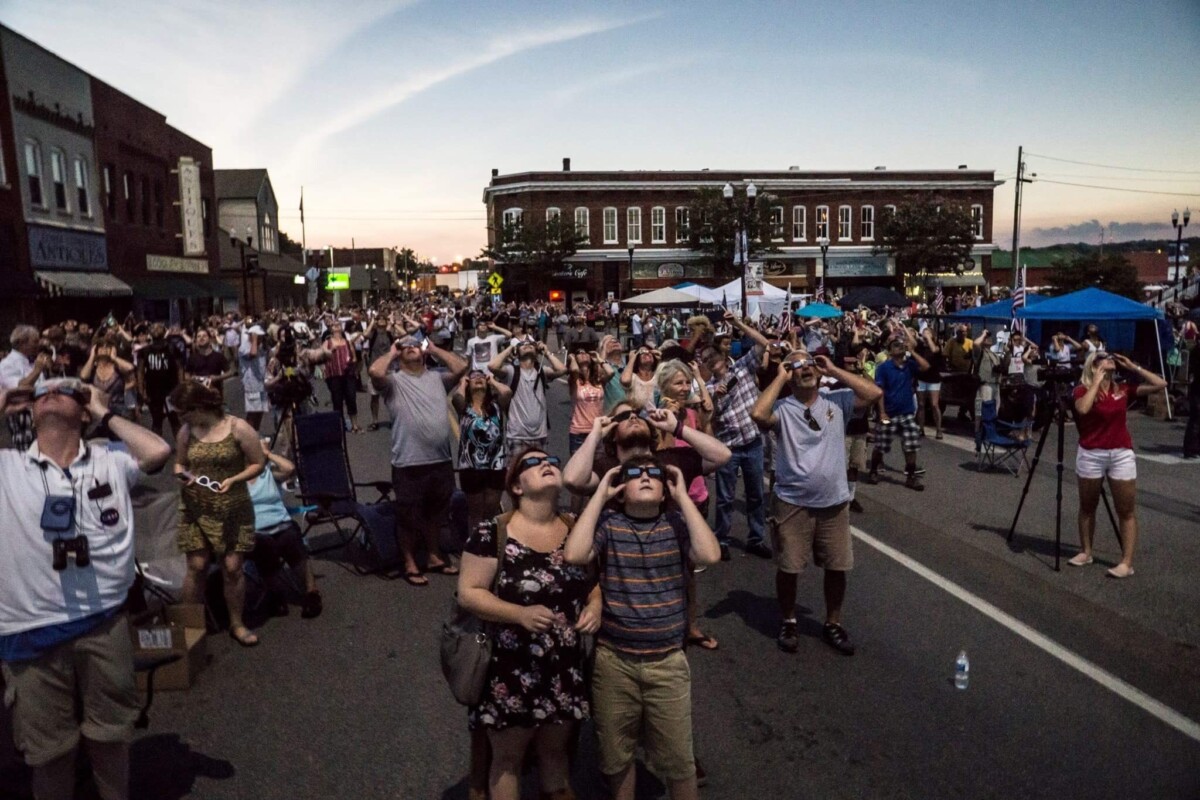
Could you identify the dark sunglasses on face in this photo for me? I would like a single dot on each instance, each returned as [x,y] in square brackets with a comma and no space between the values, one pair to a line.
[533,461]
[627,413]
[801,363]
[633,473]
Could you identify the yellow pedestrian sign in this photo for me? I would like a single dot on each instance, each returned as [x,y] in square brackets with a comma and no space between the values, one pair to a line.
[494,280]
[495,291]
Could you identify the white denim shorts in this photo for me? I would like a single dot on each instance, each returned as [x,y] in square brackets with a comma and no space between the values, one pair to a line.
[1118,464]
[922,386]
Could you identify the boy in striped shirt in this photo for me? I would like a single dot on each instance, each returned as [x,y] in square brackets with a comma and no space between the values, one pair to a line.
[641,685]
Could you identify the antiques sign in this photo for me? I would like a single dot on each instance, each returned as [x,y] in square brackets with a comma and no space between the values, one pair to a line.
[191,211]
[54,248]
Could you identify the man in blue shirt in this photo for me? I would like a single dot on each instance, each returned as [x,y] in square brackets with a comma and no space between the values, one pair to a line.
[898,406]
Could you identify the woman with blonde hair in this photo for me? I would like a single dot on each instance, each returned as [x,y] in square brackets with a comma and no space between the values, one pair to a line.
[1106,450]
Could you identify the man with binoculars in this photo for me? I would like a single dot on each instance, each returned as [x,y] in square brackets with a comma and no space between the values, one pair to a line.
[67,550]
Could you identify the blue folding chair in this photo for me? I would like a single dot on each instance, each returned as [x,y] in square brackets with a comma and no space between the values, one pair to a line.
[999,443]
[326,482]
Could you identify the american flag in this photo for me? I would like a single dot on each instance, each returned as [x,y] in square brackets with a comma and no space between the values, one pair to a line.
[820,295]
[939,301]
[1018,302]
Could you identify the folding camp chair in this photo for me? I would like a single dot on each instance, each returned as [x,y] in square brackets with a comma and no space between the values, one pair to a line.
[999,443]
[323,471]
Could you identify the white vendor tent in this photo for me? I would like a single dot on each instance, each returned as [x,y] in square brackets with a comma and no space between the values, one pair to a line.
[771,302]
[704,294]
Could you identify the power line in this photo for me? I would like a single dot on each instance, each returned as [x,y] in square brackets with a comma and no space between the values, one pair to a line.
[1113,177]
[385,219]
[1117,188]
[1111,166]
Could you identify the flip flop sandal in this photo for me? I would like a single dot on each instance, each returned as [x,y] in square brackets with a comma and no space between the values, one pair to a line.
[416,579]
[247,639]
[703,641]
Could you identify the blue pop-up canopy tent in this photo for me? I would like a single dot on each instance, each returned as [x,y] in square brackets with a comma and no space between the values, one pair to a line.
[819,311]
[999,310]
[1115,316]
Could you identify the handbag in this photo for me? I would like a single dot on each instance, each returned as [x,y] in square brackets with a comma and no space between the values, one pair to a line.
[466,643]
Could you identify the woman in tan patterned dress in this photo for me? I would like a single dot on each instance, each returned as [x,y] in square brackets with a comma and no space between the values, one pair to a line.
[216,516]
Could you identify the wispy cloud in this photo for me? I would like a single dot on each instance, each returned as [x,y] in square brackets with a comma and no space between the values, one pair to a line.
[1089,232]
[413,85]
[617,77]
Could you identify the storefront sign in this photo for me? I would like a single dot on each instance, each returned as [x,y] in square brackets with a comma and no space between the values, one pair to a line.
[195,266]
[337,281]
[644,271]
[857,267]
[190,207]
[578,273]
[774,268]
[754,279]
[670,270]
[54,248]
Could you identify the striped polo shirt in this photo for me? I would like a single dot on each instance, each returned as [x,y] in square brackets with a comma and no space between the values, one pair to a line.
[642,582]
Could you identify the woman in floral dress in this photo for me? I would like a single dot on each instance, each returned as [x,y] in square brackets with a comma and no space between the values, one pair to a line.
[542,606]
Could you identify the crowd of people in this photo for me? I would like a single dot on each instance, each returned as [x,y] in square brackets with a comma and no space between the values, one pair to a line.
[594,609]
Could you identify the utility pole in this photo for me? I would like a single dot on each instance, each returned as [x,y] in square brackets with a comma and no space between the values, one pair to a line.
[1016,249]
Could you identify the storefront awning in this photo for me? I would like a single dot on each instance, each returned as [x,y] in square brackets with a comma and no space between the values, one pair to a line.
[215,287]
[82,284]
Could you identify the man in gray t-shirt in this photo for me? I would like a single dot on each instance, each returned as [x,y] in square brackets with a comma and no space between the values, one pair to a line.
[528,424]
[809,510]
[422,475]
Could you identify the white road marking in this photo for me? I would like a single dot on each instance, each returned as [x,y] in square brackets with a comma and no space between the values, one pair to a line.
[967,445]
[1109,681]
[1166,458]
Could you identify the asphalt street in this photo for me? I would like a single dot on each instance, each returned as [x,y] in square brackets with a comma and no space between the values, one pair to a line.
[1081,686]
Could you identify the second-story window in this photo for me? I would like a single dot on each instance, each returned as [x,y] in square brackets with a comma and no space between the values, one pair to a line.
[633,226]
[777,223]
[581,224]
[81,187]
[58,177]
[552,214]
[145,200]
[658,225]
[844,232]
[681,224]
[822,222]
[799,223]
[160,206]
[127,188]
[866,219]
[514,217]
[33,171]
[110,197]
[610,226]
[977,219]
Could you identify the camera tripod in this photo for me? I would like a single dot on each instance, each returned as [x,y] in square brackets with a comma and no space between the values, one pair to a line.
[1063,406]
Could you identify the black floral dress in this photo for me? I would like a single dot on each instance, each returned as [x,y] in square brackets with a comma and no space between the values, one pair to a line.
[534,678]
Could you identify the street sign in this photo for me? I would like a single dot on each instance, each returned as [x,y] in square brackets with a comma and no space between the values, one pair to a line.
[495,290]
[494,281]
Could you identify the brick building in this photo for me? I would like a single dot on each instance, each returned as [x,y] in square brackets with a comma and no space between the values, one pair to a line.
[248,219]
[156,194]
[636,222]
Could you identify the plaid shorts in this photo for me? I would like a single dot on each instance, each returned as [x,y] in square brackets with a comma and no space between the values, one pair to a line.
[910,434]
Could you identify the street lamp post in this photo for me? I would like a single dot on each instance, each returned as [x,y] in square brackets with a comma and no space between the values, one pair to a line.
[234,241]
[630,278]
[1175,223]
[741,239]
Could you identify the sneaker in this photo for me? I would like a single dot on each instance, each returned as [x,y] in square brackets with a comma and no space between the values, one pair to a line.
[856,506]
[913,481]
[277,604]
[918,470]
[836,637]
[789,637]
[758,549]
[696,570]
[872,477]
[725,556]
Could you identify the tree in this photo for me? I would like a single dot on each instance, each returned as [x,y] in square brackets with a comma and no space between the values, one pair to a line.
[289,246]
[1112,274]
[713,223]
[926,235]
[540,246]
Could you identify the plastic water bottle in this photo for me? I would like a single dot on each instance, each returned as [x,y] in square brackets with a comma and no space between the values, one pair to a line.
[962,670]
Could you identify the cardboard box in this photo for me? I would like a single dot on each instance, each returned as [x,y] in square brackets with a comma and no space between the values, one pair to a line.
[180,633]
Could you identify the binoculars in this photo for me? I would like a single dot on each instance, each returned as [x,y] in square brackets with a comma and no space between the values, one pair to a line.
[76,546]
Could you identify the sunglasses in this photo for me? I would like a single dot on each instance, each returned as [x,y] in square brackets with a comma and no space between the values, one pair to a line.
[633,473]
[80,394]
[533,461]
[811,420]
[801,363]
[627,413]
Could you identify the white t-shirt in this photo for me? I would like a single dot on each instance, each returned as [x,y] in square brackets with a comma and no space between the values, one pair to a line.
[635,325]
[481,350]
[32,594]
[13,369]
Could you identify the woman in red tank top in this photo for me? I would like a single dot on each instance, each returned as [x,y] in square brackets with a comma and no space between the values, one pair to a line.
[1106,451]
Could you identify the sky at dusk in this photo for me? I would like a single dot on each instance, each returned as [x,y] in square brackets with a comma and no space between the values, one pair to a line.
[391,113]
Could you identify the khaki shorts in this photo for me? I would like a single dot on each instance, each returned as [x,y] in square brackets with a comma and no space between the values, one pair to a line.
[824,532]
[41,694]
[856,451]
[647,701]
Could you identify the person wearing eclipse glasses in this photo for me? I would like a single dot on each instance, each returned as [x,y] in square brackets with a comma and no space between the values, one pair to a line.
[1106,450]
[898,408]
[422,472]
[68,547]
[810,502]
